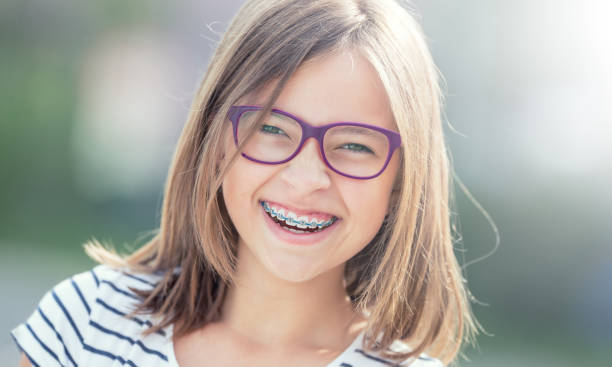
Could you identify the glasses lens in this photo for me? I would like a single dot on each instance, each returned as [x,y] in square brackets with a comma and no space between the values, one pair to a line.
[355,150]
[274,140]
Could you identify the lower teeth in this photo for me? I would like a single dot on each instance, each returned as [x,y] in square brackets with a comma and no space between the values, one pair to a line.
[284,226]
[297,231]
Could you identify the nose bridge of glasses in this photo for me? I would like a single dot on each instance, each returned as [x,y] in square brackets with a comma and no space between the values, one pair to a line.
[315,133]
[310,131]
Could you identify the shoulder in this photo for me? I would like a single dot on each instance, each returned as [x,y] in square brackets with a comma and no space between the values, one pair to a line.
[82,320]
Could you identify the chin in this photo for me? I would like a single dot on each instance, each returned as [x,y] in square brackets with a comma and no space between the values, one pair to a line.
[293,272]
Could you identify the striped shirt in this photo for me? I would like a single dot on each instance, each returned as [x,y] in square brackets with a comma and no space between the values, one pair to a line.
[81,322]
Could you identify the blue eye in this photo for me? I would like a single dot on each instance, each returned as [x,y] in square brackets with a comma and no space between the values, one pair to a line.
[357,148]
[272,130]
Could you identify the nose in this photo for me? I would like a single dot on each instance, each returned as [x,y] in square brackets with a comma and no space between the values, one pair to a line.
[307,172]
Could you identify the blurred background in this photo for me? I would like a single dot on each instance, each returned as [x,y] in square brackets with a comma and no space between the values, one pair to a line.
[93,95]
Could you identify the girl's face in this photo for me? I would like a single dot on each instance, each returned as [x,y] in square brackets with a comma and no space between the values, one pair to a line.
[337,87]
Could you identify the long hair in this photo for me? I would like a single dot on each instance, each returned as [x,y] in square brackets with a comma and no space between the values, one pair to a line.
[407,279]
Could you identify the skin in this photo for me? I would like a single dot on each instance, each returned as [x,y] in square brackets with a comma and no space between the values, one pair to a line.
[288,305]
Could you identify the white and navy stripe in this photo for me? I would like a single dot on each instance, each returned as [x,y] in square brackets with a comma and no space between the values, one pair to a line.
[82,322]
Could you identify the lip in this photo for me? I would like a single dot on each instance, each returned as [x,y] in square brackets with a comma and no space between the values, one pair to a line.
[301,239]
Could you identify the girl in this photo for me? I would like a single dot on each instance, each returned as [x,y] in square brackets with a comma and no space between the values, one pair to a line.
[306,214]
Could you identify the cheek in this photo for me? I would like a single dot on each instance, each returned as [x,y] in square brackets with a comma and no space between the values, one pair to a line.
[241,186]
[236,185]
[369,204]
[373,197]
[237,199]
[368,207]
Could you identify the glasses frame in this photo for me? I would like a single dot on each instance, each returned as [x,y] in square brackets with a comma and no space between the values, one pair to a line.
[316,132]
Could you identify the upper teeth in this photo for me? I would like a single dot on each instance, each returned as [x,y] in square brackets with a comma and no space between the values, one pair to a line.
[295,220]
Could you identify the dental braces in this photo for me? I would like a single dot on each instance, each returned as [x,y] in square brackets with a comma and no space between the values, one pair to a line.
[295,222]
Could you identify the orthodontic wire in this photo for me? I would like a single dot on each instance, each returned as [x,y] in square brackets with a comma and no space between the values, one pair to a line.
[270,210]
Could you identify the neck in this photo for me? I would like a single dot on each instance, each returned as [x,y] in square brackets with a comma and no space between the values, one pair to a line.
[270,311]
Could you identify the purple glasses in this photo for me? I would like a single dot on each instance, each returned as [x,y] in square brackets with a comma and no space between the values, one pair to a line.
[351,149]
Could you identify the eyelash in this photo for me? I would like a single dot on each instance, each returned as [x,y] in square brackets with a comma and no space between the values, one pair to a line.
[361,148]
[263,128]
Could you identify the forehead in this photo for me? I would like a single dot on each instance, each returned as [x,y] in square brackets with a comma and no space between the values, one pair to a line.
[341,86]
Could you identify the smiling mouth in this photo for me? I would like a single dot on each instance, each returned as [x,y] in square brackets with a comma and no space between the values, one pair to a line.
[297,224]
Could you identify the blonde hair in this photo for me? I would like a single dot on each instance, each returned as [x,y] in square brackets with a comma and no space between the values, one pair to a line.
[407,278]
